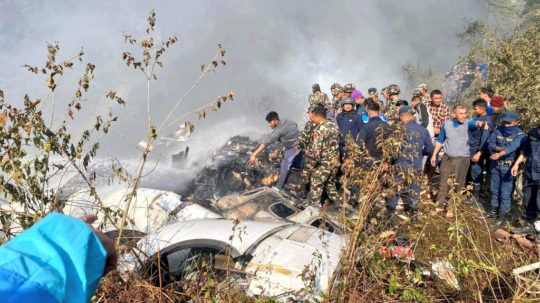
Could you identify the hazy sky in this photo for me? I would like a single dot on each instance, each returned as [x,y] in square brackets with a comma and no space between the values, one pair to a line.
[275,51]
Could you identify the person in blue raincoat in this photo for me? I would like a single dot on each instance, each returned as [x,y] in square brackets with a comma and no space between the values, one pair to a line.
[58,259]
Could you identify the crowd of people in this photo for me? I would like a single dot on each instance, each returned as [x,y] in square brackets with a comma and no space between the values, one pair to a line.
[483,146]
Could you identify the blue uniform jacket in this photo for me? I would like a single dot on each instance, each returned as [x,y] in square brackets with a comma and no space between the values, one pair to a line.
[369,133]
[508,138]
[348,123]
[478,137]
[531,149]
[417,145]
[58,259]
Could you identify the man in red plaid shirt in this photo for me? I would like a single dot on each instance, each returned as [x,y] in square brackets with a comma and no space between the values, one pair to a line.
[438,110]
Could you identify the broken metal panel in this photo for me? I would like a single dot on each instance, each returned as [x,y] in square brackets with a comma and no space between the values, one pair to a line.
[240,236]
[260,204]
[149,208]
[280,260]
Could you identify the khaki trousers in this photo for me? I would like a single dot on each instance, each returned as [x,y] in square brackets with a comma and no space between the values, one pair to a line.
[456,167]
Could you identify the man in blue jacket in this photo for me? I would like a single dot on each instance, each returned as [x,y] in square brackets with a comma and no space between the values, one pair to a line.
[348,123]
[531,178]
[503,144]
[417,144]
[370,132]
[478,145]
[59,259]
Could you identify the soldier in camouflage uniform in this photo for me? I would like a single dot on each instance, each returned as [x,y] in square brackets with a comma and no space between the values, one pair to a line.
[347,90]
[337,91]
[322,158]
[318,97]
[394,103]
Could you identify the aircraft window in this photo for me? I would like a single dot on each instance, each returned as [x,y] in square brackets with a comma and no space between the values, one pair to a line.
[281,210]
[325,225]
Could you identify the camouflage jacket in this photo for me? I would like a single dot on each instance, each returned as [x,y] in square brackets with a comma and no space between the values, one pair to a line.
[304,139]
[324,147]
[320,98]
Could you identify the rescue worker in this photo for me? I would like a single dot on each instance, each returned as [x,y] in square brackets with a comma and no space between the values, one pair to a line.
[503,145]
[318,97]
[322,158]
[417,144]
[530,155]
[372,130]
[348,122]
[478,145]
[348,90]
[373,94]
[424,93]
[337,90]
[394,103]
[286,133]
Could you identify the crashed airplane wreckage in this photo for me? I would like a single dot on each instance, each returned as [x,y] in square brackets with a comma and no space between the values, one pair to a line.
[227,217]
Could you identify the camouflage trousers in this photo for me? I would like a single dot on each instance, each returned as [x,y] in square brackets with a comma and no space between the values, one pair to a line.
[321,179]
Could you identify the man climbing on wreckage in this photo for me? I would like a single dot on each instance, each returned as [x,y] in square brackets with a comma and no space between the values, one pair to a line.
[286,133]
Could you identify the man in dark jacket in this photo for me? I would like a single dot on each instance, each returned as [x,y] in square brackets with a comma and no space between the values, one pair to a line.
[420,110]
[348,122]
[417,144]
[478,145]
[370,132]
[503,145]
[531,178]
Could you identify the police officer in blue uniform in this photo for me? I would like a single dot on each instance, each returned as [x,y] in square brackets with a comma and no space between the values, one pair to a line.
[531,178]
[347,122]
[417,144]
[368,134]
[503,144]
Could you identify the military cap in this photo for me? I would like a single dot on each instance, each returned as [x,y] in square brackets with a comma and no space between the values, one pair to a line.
[509,117]
[316,87]
[348,88]
[417,92]
[393,89]
[336,86]
[422,86]
[372,91]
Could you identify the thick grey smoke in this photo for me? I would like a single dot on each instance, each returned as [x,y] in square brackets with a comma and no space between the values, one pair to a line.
[275,51]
